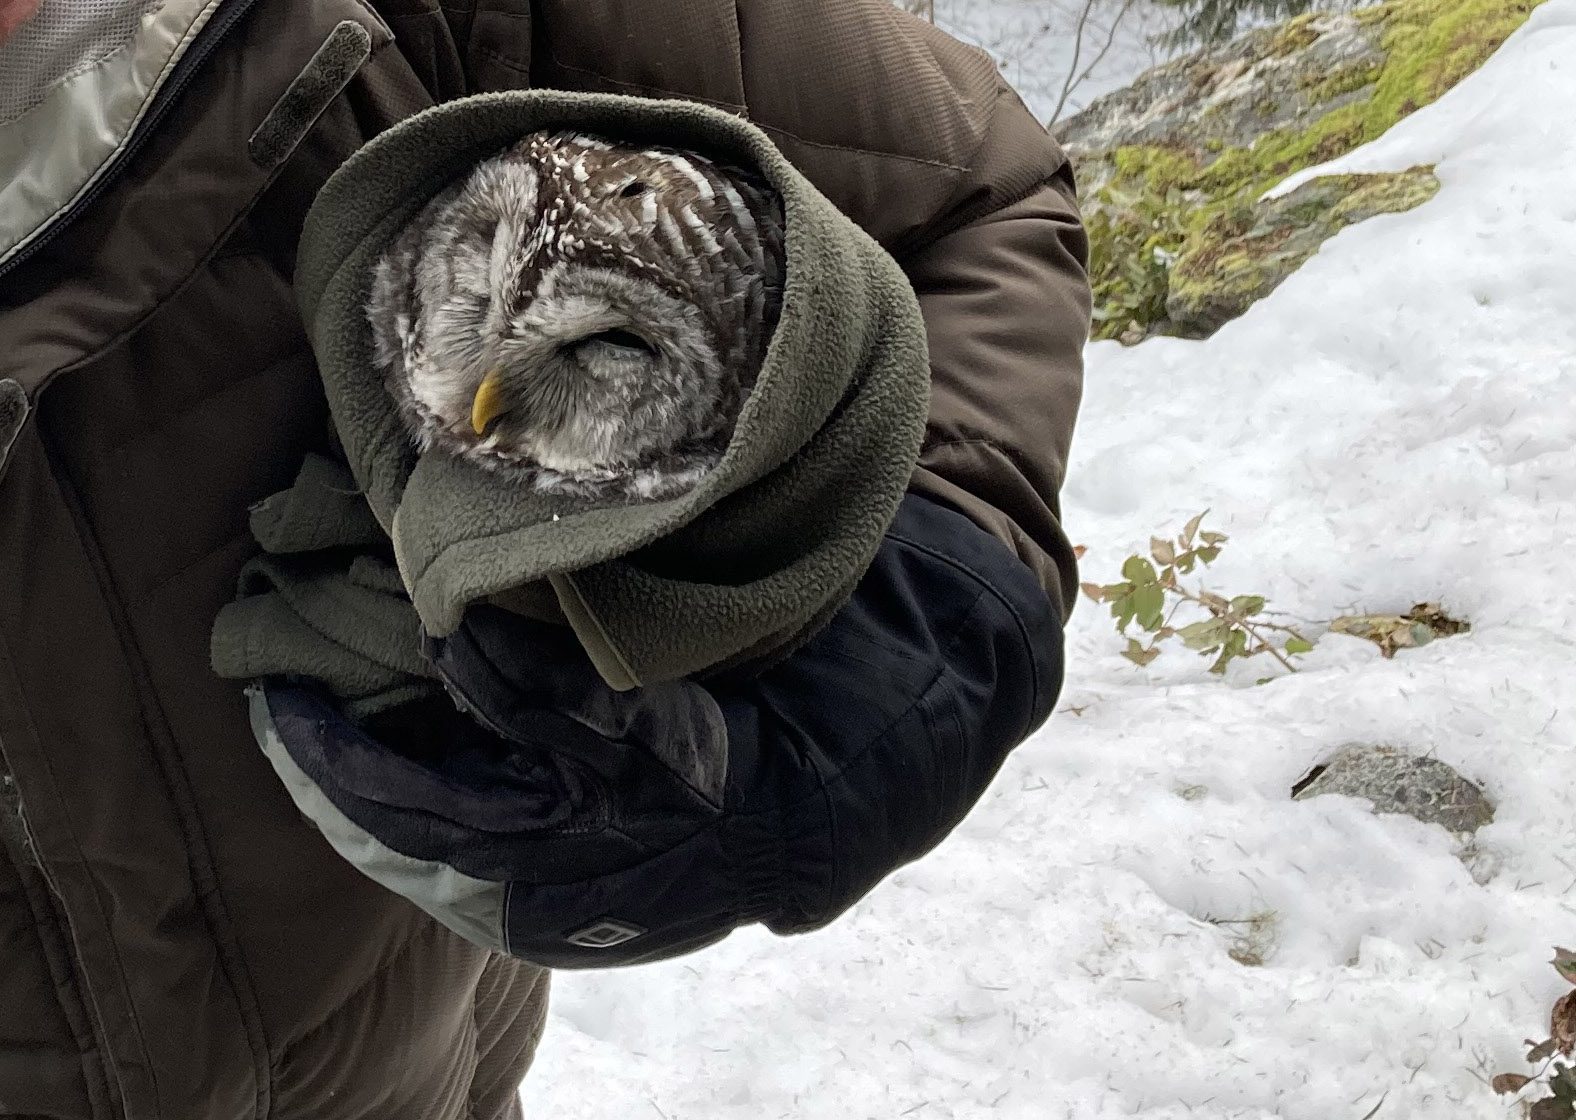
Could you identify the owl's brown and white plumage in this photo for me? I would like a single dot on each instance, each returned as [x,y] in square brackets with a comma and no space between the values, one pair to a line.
[584,314]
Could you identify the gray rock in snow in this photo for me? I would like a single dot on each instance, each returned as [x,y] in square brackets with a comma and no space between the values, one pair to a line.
[1397,782]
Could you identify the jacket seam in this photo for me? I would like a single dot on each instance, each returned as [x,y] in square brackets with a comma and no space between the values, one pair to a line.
[475,1036]
[743,110]
[503,919]
[738,56]
[1002,89]
[242,534]
[968,218]
[176,416]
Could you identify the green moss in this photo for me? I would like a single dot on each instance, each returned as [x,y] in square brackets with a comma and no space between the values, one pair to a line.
[1244,252]
[1168,203]
[1431,46]
[1153,168]
[1216,284]
[1344,80]
[1363,196]
[1277,154]
[1293,36]
[1130,250]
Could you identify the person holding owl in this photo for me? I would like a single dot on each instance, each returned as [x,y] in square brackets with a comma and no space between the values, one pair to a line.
[187,932]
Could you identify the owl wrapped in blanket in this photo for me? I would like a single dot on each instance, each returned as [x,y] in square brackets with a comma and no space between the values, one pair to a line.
[600,362]
[582,315]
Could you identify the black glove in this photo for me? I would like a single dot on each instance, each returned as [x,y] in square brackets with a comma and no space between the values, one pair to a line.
[575,826]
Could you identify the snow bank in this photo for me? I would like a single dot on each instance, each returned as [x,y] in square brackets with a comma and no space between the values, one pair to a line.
[1395,423]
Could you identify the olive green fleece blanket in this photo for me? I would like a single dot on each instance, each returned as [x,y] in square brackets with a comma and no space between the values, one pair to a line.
[323,599]
[745,564]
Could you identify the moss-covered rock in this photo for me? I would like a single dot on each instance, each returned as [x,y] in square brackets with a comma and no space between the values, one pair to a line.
[1172,168]
[1225,270]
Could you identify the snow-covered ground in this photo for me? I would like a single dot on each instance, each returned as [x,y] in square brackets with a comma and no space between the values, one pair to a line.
[1394,424]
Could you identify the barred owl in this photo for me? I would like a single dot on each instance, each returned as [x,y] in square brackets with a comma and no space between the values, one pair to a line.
[582,315]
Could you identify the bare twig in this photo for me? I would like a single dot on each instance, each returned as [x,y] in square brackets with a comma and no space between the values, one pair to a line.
[1076,77]
[1072,67]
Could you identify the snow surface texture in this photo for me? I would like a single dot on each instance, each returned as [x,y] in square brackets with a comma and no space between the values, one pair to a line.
[1393,424]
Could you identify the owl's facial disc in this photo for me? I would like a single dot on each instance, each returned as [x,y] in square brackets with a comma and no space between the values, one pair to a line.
[615,344]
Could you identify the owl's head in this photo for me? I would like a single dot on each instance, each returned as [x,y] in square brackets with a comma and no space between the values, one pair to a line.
[588,314]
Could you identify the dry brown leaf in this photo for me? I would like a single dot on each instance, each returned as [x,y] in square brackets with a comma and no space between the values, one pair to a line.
[1391,632]
[1509,1082]
[1432,615]
[1562,1023]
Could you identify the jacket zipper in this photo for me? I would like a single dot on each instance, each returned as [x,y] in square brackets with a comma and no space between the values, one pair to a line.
[219,25]
[82,1019]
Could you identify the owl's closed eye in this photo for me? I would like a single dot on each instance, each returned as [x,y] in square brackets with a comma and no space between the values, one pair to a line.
[583,315]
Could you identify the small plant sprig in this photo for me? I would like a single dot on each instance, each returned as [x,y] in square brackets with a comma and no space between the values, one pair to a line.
[1151,594]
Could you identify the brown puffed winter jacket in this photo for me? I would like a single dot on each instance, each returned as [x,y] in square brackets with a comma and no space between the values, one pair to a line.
[175,942]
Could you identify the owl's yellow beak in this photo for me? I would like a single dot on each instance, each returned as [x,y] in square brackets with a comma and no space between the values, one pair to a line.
[488,404]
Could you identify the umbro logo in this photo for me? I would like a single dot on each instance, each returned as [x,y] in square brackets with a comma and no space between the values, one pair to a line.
[604,934]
